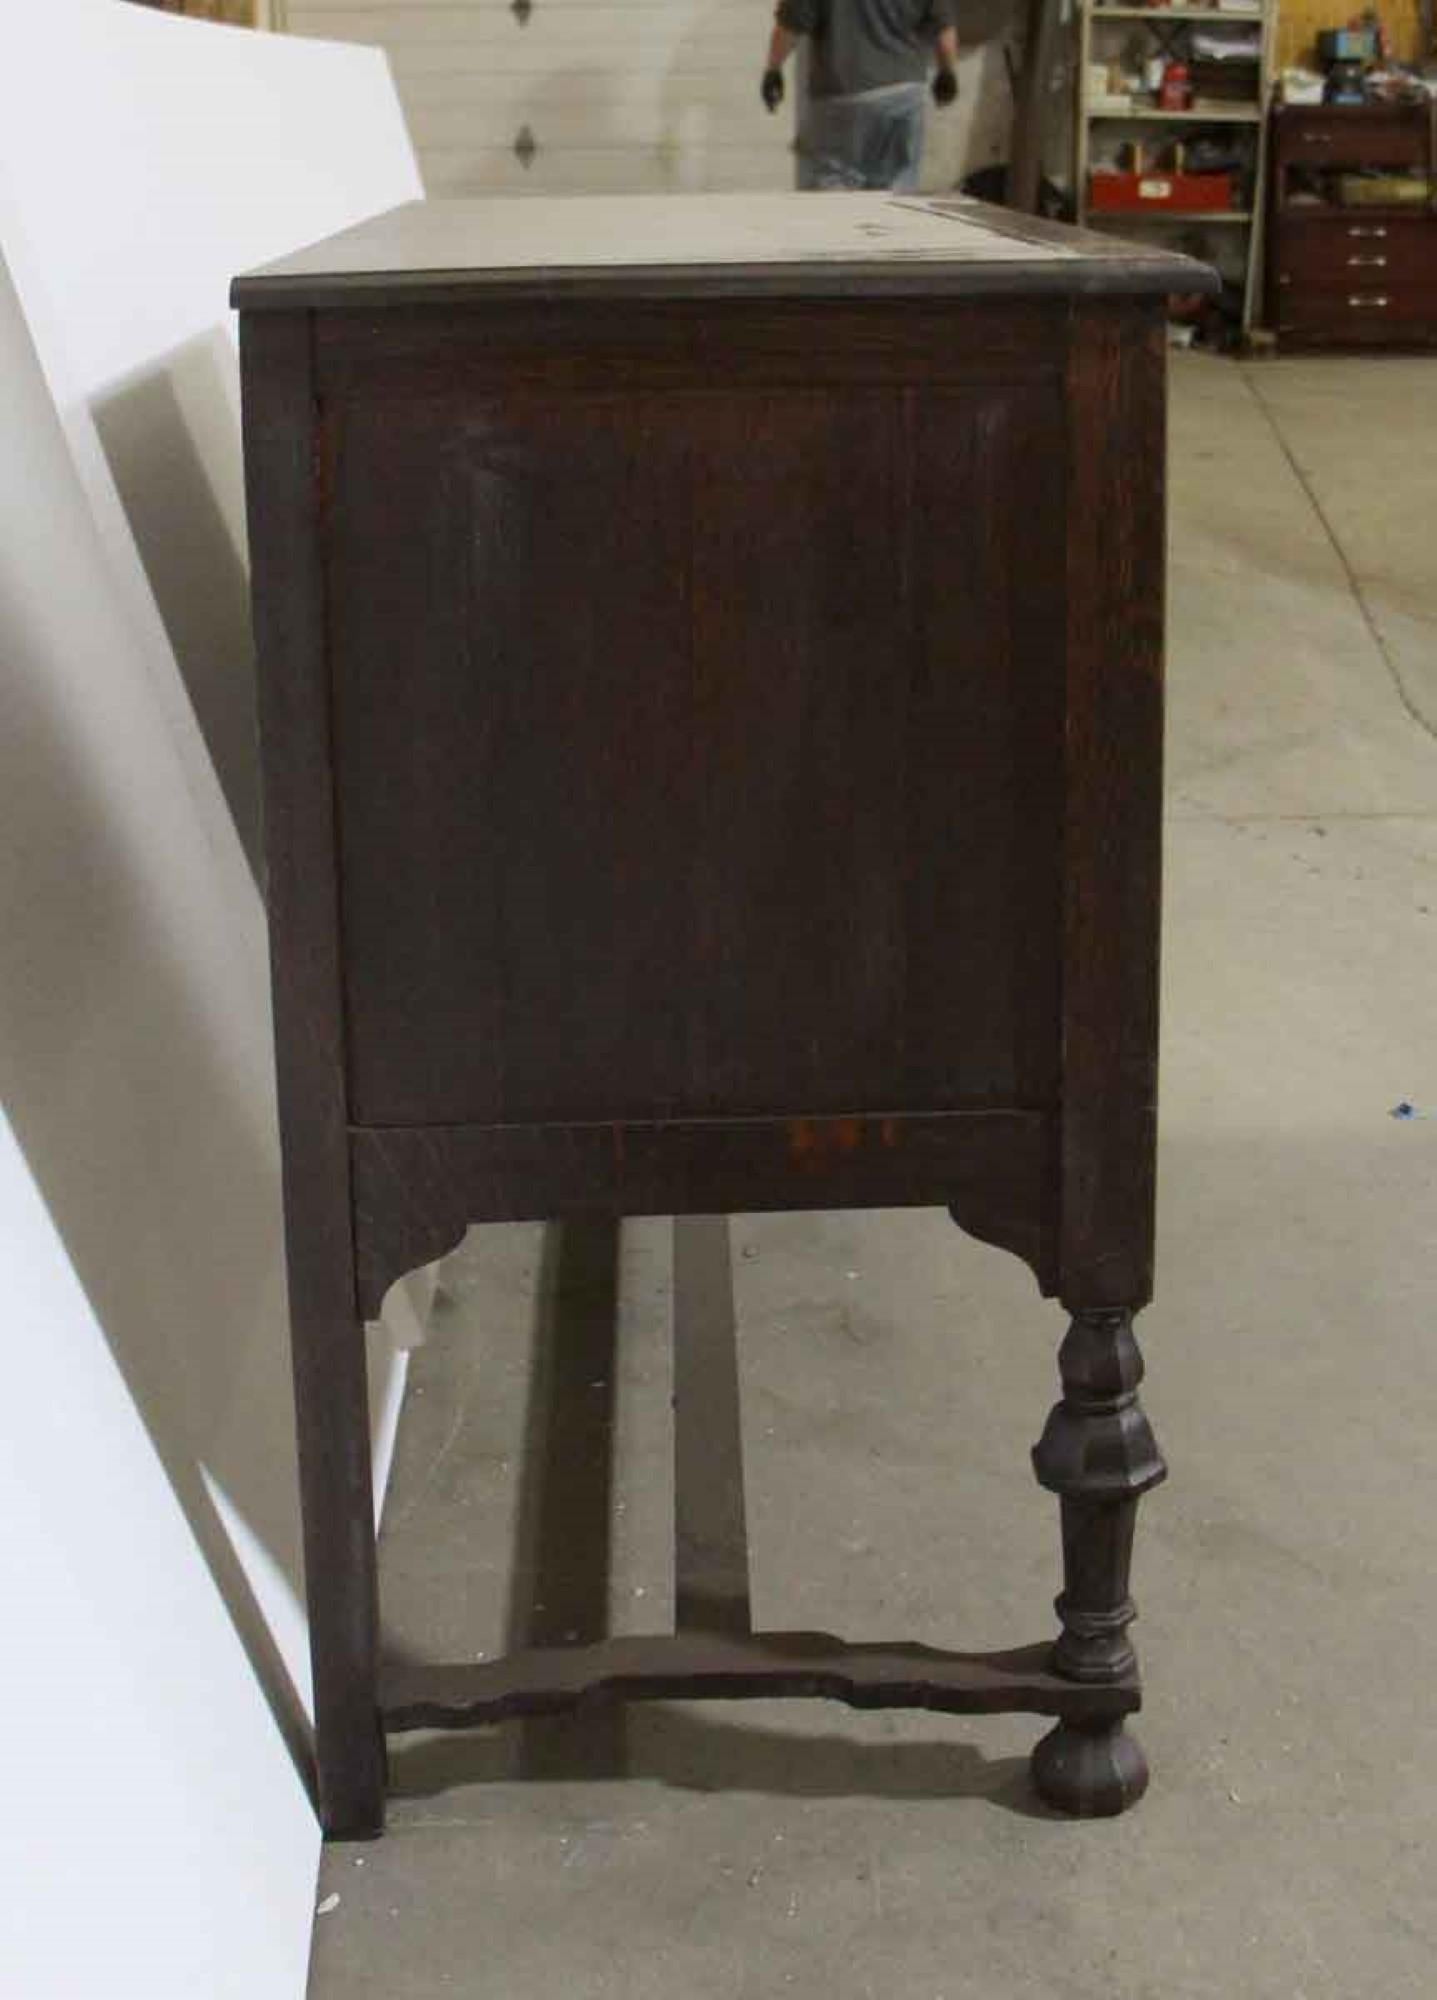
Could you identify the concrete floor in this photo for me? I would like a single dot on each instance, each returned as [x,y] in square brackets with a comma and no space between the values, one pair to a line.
[895,1373]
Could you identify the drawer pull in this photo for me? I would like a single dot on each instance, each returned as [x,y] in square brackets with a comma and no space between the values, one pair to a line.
[1374,299]
[1366,229]
[1317,138]
[1377,263]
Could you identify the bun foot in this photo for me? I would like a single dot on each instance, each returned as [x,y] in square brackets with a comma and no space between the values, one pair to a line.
[1092,1773]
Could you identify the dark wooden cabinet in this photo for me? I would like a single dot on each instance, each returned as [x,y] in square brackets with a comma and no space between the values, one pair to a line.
[711,716]
[1342,273]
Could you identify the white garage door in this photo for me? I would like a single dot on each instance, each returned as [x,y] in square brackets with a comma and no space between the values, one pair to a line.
[623,96]
[551,96]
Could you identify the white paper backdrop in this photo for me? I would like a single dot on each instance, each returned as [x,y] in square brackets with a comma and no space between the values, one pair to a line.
[163,1844]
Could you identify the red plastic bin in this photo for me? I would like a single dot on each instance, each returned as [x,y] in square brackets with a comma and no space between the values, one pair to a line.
[1161,189]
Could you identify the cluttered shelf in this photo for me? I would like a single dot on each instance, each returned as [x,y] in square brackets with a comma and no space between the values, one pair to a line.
[1199,114]
[1170,130]
[1205,14]
[1181,215]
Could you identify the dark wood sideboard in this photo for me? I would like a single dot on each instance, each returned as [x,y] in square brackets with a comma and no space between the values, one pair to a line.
[710,660]
[1343,272]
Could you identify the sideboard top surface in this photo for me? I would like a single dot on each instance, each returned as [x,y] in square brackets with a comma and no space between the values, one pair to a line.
[710,245]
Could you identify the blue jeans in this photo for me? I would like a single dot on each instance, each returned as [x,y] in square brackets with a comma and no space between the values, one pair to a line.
[873,140]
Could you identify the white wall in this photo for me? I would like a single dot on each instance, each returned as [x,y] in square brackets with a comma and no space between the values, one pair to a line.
[143,159]
[623,96]
[155,1844]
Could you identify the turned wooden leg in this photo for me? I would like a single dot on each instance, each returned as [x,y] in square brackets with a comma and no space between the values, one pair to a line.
[1098,1454]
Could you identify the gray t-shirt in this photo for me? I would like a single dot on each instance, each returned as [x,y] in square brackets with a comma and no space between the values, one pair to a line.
[859,45]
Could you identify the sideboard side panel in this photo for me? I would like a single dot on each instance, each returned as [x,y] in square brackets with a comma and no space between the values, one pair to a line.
[1116,384]
[699,746]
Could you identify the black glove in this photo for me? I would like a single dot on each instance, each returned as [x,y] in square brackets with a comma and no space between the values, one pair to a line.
[945,86]
[772,88]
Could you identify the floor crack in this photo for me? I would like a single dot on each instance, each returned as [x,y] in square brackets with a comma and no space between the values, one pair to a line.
[1354,582]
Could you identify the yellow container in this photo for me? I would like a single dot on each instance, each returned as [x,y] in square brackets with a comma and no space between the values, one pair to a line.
[1383,190]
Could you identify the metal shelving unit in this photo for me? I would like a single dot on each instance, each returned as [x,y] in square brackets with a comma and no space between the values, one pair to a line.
[1105,33]
[1243,14]
[1212,114]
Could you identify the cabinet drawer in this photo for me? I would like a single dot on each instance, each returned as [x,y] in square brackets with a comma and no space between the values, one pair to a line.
[1365,295]
[1322,312]
[1355,252]
[1353,138]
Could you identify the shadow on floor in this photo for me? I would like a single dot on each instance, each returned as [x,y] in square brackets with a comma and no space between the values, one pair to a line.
[559,1587]
[689,1752]
[170,438]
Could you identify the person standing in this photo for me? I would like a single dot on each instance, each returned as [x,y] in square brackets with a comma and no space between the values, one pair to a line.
[862,126]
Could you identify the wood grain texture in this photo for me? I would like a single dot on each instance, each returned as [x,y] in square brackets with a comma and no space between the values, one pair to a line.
[1112,851]
[711,1577]
[416,1190]
[326,1335]
[609,346]
[683,771]
[713,1666]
